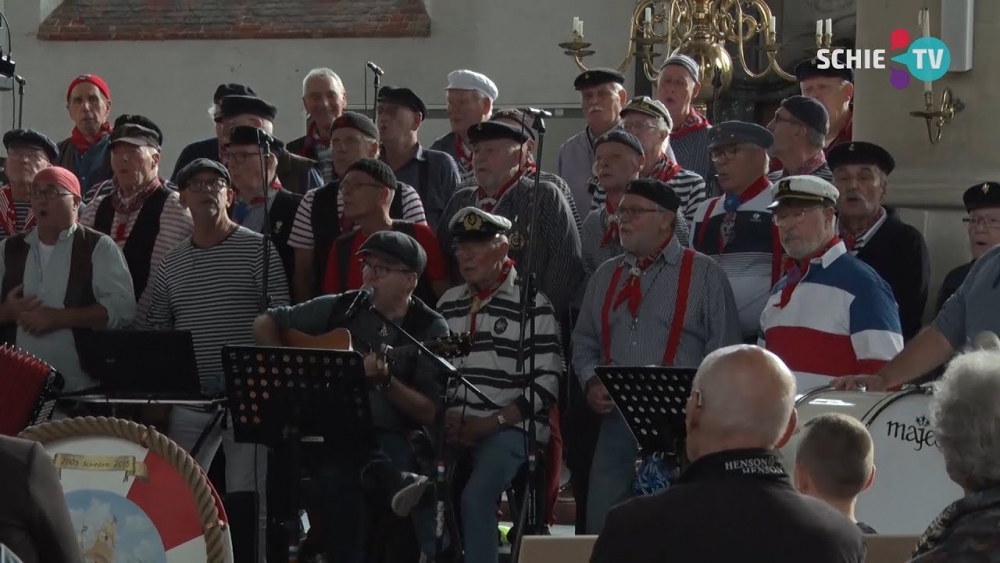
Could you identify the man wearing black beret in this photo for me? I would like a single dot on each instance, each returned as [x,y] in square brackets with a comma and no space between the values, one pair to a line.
[873,231]
[256,183]
[320,219]
[799,127]
[28,152]
[324,99]
[434,174]
[210,147]
[138,209]
[659,304]
[982,203]
[296,173]
[500,163]
[834,88]
[602,95]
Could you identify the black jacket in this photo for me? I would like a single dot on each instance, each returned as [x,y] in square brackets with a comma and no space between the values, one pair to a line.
[730,506]
[898,253]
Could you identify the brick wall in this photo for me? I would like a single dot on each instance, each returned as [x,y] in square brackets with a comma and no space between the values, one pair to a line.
[156,20]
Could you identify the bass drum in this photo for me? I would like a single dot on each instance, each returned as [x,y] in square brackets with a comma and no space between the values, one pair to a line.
[911,485]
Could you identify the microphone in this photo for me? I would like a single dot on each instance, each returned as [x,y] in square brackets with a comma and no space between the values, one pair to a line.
[363,298]
[987,340]
[536,111]
[374,67]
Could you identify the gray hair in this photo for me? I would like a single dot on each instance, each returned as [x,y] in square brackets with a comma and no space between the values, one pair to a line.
[966,419]
[324,72]
[815,138]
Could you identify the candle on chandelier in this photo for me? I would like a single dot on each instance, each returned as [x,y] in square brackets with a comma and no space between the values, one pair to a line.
[774,24]
[576,25]
[580,28]
[925,17]
[649,15]
[829,27]
[819,27]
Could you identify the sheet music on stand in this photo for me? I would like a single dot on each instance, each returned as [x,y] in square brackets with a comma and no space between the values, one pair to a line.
[653,402]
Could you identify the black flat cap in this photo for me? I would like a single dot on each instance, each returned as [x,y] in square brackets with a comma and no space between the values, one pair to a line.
[232,90]
[356,121]
[621,137]
[31,138]
[808,111]
[860,152]
[598,76]
[472,223]
[982,195]
[140,120]
[656,191]
[396,246]
[492,130]
[402,97]
[247,135]
[733,132]
[809,68]
[196,166]
[136,135]
[246,105]
[521,119]
[648,106]
[378,170]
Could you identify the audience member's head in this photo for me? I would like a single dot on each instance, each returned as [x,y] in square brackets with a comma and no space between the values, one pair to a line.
[835,460]
[742,397]
[965,415]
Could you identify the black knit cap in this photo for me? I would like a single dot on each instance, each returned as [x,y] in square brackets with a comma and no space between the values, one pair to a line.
[139,120]
[656,191]
[232,90]
[402,97]
[621,137]
[246,105]
[809,111]
[248,135]
[196,166]
[31,138]
[378,170]
[356,121]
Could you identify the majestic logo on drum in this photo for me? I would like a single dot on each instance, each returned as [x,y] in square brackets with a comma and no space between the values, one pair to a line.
[918,433]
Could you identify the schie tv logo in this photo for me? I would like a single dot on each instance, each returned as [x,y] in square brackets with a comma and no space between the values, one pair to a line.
[927,59]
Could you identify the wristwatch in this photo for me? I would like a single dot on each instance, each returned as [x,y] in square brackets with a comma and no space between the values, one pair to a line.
[501,421]
[385,384]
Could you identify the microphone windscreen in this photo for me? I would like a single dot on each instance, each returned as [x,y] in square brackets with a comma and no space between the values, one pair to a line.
[367,290]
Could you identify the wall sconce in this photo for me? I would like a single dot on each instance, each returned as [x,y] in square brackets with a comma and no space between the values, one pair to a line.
[936,119]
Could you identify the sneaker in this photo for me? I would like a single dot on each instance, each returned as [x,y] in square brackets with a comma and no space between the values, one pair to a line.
[409,496]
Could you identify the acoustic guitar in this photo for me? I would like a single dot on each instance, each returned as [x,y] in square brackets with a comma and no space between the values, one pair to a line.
[448,347]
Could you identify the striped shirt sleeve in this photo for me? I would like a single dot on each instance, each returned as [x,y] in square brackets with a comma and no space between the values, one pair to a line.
[301,237]
[876,334]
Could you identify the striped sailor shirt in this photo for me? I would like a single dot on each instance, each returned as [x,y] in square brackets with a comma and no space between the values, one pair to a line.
[492,365]
[689,187]
[840,320]
[710,321]
[543,176]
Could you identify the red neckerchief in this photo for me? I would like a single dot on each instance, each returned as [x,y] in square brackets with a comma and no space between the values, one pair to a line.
[82,143]
[809,166]
[851,237]
[125,208]
[259,200]
[612,232]
[664,169]
[632,290]
[463,153]
[846,134]
[798,270]
[8,213]
[487,203]
[693,122]
[312,141]
[484,294]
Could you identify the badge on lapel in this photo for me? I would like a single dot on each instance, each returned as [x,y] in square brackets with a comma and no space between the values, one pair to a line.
[500,326]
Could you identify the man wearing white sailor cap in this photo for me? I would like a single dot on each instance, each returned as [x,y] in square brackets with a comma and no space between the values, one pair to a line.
[470,101]
[831,315]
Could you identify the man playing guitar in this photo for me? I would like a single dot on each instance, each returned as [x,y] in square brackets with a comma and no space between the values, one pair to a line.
[404,394]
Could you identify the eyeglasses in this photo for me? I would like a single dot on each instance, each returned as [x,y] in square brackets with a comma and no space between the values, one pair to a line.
[380,270]
[792,218]
[637,127]
[725,154]
[26,152]
[780,119]
[242,157]
[47,192]
[352,186]
[629,213]
[205,186]
[985,222]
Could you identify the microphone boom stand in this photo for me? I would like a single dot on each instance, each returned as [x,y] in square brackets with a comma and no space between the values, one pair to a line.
[528,291]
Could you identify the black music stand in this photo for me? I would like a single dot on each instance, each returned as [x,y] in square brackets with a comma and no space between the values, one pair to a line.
[278,395]
[653,402]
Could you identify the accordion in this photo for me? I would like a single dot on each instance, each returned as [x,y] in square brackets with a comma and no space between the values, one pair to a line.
[30,388]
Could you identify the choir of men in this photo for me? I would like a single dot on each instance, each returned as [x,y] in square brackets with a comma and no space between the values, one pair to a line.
[825,276]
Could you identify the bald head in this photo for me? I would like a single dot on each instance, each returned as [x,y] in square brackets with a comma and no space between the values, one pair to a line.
[743,397]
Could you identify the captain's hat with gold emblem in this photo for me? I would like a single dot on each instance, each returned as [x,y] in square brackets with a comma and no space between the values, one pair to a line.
[804,188]
[983,194]
[472,223]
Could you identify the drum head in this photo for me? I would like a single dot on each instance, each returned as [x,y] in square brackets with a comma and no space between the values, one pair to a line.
[824,400]
[911,484]
[133,494]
